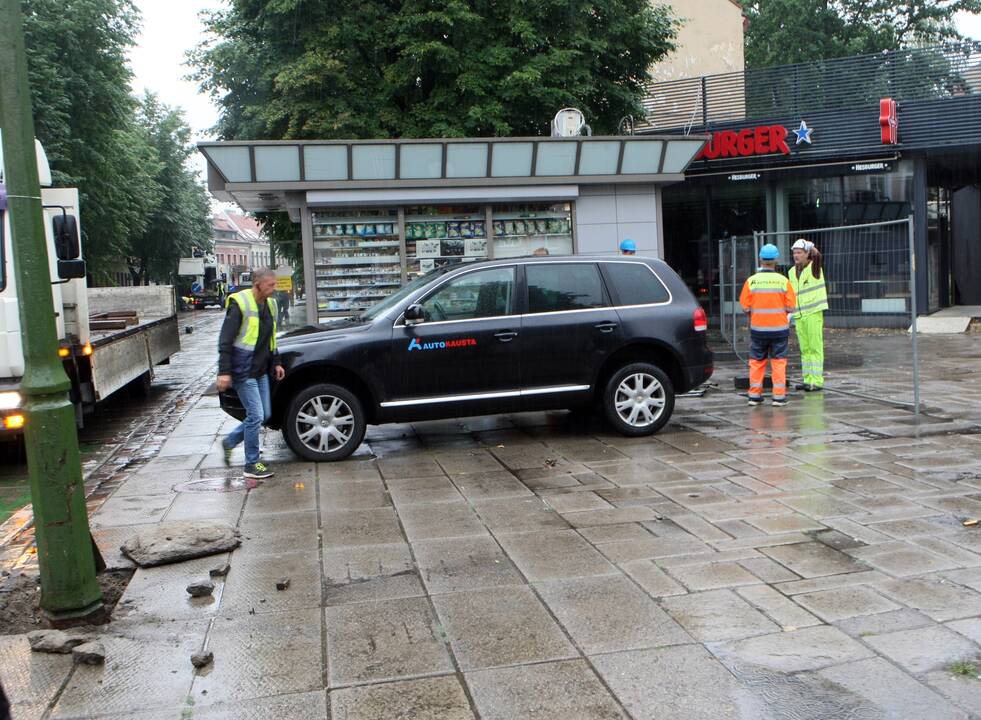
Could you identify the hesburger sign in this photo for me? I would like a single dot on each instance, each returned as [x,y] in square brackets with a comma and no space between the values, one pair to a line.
[761,140]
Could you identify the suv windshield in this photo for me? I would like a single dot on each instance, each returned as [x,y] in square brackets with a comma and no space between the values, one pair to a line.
[398,296]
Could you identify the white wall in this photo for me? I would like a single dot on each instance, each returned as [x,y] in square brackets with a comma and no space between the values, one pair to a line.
[607,214]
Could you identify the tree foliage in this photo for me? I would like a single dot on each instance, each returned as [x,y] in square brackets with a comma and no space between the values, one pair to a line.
[94,131]
[791,31]
[301,69]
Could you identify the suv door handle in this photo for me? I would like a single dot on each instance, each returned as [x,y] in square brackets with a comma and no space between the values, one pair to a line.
[506,335]
[607,326]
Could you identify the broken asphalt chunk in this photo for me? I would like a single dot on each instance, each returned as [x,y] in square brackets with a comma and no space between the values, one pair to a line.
[202,659]
[55,641]
[201,588]
[173,542]
[90,653]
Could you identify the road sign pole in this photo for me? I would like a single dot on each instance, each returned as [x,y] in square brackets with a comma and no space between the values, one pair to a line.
[69,590]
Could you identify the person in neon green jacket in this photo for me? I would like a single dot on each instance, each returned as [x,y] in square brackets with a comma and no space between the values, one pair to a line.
[810,284]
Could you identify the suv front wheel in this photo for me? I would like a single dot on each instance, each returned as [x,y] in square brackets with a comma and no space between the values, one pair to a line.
[324,423]
[638,399]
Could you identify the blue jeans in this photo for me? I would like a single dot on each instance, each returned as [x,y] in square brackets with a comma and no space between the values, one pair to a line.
[254,396]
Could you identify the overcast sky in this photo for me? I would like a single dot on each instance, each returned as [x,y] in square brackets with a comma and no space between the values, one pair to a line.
[172,27]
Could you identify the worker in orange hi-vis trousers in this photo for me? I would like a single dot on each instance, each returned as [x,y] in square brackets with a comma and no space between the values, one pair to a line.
[769,299]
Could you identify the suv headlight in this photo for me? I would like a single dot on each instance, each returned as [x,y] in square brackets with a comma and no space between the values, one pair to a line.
[9,400]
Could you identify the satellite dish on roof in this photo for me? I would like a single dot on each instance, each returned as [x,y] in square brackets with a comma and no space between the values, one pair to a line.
[569,122]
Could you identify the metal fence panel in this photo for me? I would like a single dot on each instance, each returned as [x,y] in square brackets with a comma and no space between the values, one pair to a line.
[870,327]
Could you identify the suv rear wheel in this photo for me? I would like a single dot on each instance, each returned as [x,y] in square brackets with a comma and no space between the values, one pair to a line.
[638,399]
[324,423]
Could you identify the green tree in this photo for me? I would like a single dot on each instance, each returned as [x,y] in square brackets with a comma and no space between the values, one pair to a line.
[794,31]
[178,220]
[295,69]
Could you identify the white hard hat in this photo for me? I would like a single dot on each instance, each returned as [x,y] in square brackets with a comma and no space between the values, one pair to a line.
[802,244]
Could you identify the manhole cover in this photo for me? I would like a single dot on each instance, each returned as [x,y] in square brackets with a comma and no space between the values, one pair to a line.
[232,483]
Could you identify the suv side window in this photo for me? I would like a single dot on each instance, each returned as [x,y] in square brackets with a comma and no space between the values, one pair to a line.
[486,293]
[564,286]
[635,284]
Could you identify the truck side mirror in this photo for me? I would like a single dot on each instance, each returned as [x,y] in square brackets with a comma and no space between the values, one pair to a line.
[71,269]
[66,243]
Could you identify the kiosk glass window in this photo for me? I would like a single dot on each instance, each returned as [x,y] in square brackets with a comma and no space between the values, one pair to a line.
[532,229]
[813,202]
[878,196]
[357,258]
[437,235]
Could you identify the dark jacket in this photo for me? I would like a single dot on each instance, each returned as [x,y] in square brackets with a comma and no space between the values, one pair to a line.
[242,364]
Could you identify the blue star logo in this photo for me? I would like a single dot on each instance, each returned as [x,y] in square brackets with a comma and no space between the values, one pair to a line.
[803,133]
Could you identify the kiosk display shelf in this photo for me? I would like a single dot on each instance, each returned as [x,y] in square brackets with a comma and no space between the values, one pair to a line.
[437,236]
[357,258]
[529,229]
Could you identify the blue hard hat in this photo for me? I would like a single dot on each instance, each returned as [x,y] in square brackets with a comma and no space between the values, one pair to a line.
[628,245]
[769,252]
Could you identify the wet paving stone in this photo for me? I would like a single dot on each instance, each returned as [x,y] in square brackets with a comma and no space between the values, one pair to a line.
[500,626]
[813,559]
[443,520]
[843,603]
[371,572]
[360,527]
[688,683]
[438,698]
[610,614]
[458,564]
[383,640]
[296,706]
[566,690]
[522,514]
[717,615]
[554,555]
[810,648]
[924,649]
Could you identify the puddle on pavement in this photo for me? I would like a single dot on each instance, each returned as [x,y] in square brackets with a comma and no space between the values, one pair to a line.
[222,483]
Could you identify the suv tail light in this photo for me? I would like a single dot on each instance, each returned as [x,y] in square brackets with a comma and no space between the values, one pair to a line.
[700,319]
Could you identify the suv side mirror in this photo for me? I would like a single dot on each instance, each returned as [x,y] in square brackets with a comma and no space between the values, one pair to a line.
[66,243]
[413,314]
[71,269]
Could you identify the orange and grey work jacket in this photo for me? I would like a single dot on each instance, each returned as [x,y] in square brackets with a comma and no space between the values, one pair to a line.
[768,296]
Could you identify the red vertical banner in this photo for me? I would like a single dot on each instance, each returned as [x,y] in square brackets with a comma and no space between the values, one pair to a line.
[888,122]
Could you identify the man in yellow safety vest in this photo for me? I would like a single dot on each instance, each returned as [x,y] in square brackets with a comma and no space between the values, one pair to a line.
[246,358]
[810,285]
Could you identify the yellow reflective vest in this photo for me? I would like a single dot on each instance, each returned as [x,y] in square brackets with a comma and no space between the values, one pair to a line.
[248,332]
[812,293]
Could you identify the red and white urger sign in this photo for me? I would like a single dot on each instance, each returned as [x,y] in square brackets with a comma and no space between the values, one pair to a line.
[888,122]
[761,140]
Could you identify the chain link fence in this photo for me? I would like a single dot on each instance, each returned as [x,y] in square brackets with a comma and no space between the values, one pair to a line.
[870,342]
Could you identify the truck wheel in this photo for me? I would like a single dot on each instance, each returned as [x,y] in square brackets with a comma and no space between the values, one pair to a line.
[639,399]
[324,423]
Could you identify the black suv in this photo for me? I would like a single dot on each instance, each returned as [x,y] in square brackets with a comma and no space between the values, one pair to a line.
[497,336]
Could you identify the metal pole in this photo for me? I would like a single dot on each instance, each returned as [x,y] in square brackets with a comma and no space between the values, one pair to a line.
[722,294]
[913,313]
[69,591]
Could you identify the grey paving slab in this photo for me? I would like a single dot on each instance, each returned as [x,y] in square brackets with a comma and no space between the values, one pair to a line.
[423,491]
[500,626]
[251,583]
[147,668]
[369,572]
[904,560]
[415,465]
[474,460]
[934,597]
[813,559]
[295,706]
[292,533]
[360,527]
[962,691]
[676,683]
[353,496]
[281,495]
[793,522]
[633,494]
[782,610]
[521,514]
[437,698]
[261,655]
[383,640]
[440,520]
[584,450]
[894,694]
[30,679]
[768,570]
[713,575]
[924,649]
[158,594]
[564,502]
[843,603]
[652,548]
[554,555]
[457,564]
[489,485]
[611,516]
[566,690]
[969,628]
[610,613]
[223,506]
[880,623]
[131,510]
[614,533]
[647,472]
[348,471]
[717,615]
[652,579]
[810,648]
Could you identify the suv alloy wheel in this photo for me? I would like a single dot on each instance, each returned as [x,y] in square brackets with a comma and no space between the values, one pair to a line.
[324,423]
[638,399]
